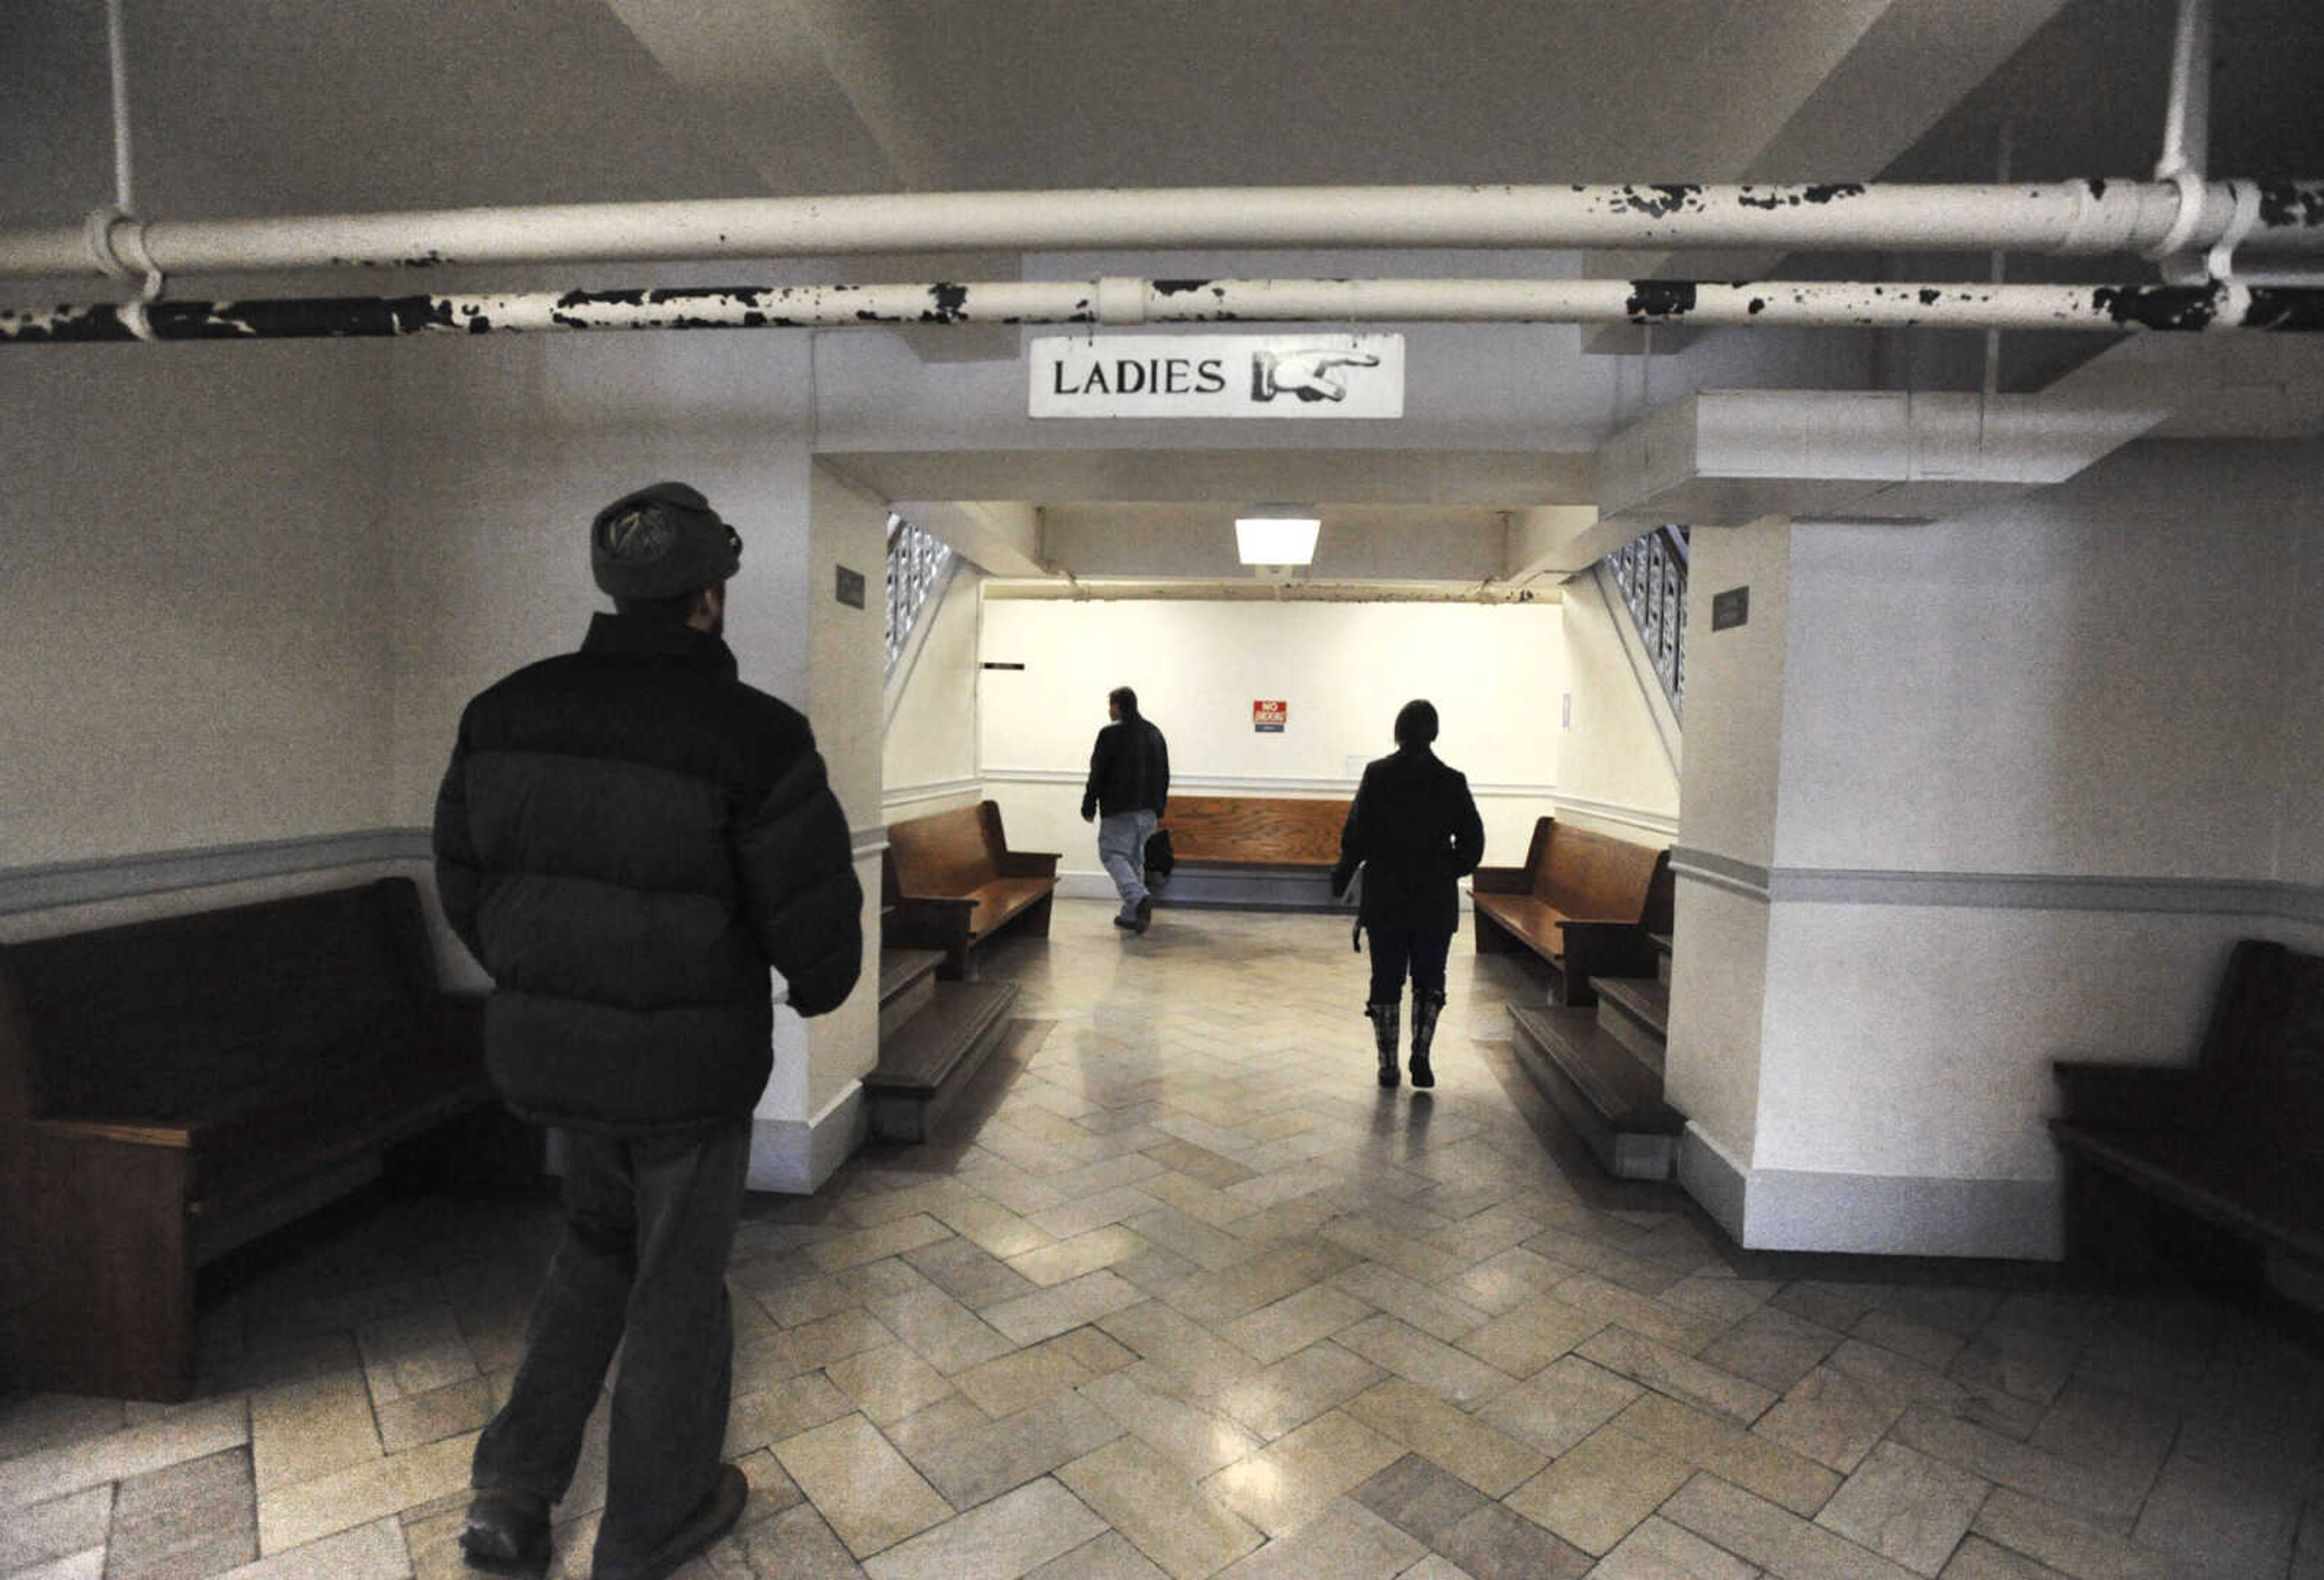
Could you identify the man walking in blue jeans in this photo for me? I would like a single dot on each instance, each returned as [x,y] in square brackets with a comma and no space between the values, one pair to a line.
[1128,790]
[627,839]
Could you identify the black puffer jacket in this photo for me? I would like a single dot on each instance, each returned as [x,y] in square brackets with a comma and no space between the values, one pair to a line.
[1130,769]
[1415,831]
[627,838]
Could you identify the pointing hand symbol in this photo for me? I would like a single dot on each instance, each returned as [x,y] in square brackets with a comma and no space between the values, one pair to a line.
[1305,373]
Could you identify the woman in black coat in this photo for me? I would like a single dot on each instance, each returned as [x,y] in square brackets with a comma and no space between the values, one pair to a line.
[1414,831]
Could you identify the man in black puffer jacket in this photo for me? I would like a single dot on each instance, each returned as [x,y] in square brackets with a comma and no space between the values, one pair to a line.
[628,838]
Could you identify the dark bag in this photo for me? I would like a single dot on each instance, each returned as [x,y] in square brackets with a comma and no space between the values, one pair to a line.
[1158,860]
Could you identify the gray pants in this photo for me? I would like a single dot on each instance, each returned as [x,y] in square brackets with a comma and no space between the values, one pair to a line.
[1121,846]
[647,1226]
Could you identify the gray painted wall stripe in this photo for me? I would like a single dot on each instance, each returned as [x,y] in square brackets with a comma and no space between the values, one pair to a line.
[77,883]
[2004,891]
[1722,871]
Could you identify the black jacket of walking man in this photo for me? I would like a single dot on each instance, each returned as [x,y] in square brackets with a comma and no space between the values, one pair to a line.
[1414,830]
[628,838]
[1127,792]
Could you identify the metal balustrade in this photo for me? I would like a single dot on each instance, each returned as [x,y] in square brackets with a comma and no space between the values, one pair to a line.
[1651,572]
[916,562]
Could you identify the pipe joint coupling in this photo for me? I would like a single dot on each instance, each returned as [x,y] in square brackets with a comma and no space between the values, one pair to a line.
[1120,299]
[2191,192]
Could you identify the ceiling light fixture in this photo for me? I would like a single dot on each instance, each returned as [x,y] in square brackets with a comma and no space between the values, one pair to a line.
[1277,535]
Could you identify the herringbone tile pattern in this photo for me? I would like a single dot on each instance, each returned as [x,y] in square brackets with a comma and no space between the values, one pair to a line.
[1188,1296]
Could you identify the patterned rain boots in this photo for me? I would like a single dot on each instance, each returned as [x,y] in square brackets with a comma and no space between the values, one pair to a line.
[1426,1008]
[1384,1018]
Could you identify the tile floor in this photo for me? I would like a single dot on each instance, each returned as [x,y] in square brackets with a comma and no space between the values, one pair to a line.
[1187,1295]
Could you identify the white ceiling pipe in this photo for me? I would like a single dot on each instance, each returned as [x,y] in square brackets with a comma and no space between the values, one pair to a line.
[1323,302]
[2083,217]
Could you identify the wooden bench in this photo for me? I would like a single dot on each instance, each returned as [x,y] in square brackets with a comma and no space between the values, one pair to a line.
[1586,903]
[1253,852]
[2160,1160]
[952,882]
[172,1090]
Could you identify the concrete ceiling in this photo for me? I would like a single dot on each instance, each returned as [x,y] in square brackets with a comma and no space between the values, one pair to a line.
[253,106]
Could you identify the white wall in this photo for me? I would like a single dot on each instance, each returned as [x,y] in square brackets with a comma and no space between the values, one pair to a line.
[2100,682]
[930,763]
[1735,685]
[1494,673]
[504,450]
[1734,734]
[1611,754]
[2082,681]
[193,598]
[850,529]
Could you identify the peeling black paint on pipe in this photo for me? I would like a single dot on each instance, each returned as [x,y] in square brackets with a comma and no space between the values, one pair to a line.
[2188,308]
[1659,301]
[1773,197]
[2291,205]
[2119,308]
[2286,308]
[1179,286]
[1666,198]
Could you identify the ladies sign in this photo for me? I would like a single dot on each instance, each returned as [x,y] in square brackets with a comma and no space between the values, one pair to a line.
[1218,375]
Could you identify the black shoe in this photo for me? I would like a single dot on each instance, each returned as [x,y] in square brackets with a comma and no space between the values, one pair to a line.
[1145,914]
[506,1534]
[1422,1075]
[711,1520]
[1125,924]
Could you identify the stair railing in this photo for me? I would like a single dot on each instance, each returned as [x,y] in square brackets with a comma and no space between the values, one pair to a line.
[1650,571]
[918,561]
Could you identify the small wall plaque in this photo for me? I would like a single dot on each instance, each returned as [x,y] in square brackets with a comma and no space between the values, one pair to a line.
[851,587]
[1730,607]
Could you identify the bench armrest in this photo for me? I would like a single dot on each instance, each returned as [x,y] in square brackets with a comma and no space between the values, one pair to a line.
[2134,1097]
[1028,863]
[1500,880]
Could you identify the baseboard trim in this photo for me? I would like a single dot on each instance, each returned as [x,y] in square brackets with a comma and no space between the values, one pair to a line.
[1252,785]
[794,1157]
[1792,1209]
[1882,1215]
[1718,1184]
[1190,889]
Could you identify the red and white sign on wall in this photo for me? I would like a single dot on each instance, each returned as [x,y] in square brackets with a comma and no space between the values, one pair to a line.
[1268,718]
